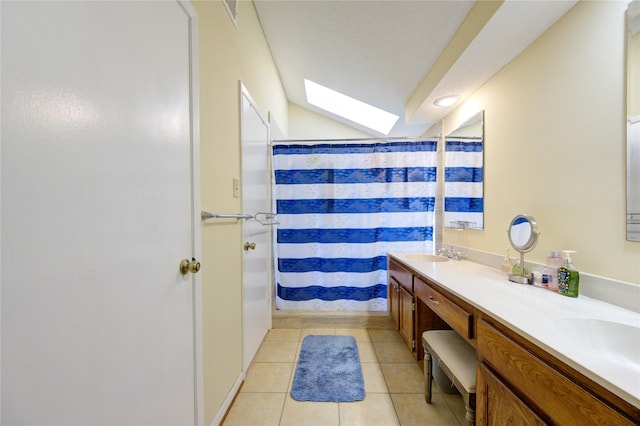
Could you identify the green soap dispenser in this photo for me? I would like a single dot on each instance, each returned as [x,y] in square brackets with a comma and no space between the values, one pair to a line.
[568,276]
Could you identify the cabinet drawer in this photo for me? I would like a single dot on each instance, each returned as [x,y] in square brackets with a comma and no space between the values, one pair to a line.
[457,317]
[401,275]
[542,386]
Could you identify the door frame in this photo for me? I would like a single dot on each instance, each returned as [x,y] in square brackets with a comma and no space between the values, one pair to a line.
[244,93]
[197,309]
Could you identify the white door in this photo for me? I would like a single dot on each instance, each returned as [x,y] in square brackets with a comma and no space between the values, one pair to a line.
[97,212]
[256,302]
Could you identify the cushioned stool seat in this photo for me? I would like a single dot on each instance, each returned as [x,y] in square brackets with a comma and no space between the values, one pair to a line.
[458,361]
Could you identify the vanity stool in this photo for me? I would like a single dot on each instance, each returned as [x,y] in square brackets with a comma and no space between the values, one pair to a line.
[458,361]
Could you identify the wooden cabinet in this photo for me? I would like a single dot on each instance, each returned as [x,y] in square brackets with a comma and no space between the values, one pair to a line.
[393,301]
[455,312]
[411,316]
[407,318]
[518,383]
[496,405]
[400,275]
[402,302]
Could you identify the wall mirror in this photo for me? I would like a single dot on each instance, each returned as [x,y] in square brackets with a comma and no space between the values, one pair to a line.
[464,175]
[523,235]
[633,121]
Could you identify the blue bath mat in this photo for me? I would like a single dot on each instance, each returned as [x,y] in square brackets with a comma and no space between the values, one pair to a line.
[328,370]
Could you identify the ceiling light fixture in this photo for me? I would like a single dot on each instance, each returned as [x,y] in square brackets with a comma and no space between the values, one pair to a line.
[446,101]
[347,107]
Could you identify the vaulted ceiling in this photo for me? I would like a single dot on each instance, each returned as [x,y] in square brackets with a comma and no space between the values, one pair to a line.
[400,55]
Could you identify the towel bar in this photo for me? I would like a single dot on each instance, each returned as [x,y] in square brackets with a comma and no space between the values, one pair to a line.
[268,218]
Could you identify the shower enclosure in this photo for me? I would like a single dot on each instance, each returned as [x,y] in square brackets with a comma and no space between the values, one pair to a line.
[341,206]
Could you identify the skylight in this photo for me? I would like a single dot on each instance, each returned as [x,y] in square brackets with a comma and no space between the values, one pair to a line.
[347,107]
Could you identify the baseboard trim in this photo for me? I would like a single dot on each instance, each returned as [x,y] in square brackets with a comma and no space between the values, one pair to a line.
[226,405]
[322,319]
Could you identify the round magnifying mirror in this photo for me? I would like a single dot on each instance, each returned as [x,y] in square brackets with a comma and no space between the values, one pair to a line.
[523,233]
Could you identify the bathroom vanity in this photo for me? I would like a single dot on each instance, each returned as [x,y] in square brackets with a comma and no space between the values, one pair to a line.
[542,358]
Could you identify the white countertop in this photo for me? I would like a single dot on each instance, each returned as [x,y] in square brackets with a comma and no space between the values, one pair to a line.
[545,318]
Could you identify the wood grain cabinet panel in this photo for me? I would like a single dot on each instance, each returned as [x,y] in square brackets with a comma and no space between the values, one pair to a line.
[496,405]
[546,391]
[460,319]
[403,276]
[402,302]
[393,301]
[407,309]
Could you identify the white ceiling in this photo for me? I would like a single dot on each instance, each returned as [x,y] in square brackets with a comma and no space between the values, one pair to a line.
[399,55]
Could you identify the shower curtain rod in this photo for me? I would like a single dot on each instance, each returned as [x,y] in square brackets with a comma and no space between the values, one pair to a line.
[473,138]
[363,140]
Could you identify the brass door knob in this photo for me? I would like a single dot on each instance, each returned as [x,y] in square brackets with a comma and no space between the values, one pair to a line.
[187,265]
[249,246]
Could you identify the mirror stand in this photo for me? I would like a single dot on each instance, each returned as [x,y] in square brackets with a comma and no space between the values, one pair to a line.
[523,236]
[522,278]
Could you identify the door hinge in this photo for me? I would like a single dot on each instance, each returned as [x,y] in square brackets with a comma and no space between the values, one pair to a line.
[413,306]
[413,344]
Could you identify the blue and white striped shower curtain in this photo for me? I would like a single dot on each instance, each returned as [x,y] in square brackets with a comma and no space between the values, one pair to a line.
[463,176]
[341,207]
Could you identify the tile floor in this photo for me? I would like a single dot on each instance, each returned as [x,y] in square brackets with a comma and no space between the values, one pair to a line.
[394,385]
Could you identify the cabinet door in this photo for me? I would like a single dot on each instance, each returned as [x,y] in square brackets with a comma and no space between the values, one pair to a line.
[406,318]
[393,302]
[497,405]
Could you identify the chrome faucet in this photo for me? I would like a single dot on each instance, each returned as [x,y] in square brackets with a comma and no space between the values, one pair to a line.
[451,253]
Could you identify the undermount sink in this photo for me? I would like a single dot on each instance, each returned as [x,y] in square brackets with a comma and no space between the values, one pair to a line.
[423,257]
[613,341]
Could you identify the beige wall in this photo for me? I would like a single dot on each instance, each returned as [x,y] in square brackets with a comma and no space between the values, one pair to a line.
[227,55]
[633,74]
[555,143]
[306,124]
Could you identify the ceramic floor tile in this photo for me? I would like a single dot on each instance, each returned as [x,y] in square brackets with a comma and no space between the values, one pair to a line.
[393,352]
[310,331]
[366,352]
[403,377]
[286,322]
[385,336]
[412,410]
[283,334]
[329,321]
[456,404]
[253,409]
[360,334]
[373,379]
[376,410]
[267,377]
[282,319]
[304,413]
[387,366]
[272,351]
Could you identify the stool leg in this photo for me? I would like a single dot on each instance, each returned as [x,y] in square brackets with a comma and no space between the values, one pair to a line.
[470,416]
[469,405]
[427,377]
